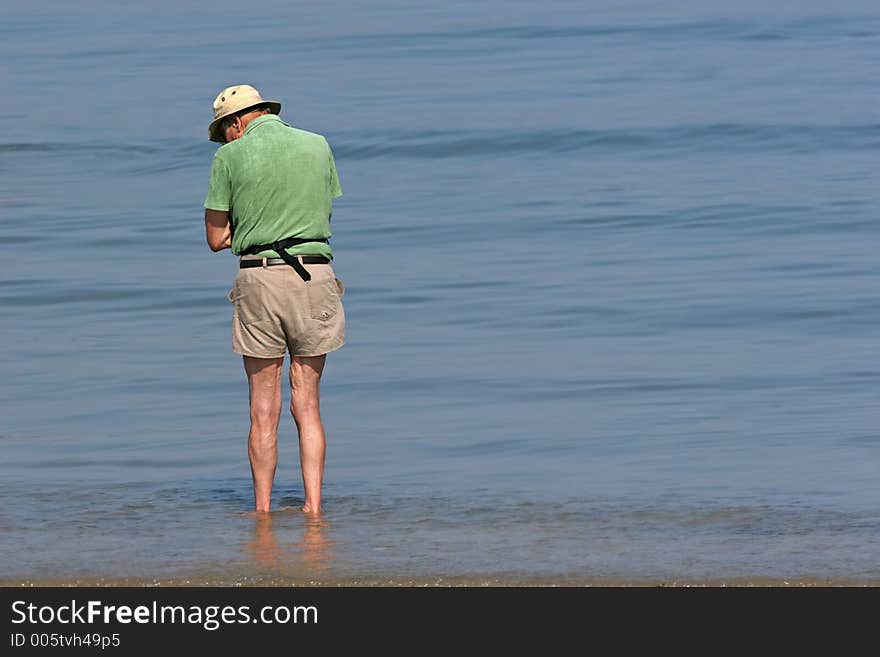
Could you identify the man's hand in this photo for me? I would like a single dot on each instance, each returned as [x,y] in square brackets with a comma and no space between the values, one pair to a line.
[218,230]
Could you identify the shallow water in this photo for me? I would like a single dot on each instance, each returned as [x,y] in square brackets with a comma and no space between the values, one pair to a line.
[611,295]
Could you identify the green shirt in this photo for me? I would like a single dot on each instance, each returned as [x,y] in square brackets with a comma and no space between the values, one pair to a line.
[276,181]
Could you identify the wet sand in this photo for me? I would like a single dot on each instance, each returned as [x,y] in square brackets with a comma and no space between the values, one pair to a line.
[460,581]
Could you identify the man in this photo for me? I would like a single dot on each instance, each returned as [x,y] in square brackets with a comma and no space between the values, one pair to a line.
[269,200]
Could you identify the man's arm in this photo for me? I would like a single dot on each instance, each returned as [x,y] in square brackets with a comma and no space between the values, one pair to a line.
[218,230]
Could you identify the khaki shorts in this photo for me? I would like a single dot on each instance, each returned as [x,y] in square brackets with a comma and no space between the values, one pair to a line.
[274,310]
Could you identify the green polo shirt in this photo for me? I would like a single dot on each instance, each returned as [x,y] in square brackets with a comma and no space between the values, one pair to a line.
[276,181]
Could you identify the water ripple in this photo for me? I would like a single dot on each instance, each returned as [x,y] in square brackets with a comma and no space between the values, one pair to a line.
[141,158]
[656,141]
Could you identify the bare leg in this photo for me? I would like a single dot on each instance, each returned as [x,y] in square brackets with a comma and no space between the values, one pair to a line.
[264,380]
[305,406]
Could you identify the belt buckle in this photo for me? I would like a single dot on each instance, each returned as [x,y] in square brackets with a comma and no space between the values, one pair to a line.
[265,262]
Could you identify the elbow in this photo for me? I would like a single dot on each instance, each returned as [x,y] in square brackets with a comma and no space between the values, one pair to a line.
[216,243]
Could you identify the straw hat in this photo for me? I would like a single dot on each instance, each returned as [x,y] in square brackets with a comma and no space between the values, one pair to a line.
[232,100]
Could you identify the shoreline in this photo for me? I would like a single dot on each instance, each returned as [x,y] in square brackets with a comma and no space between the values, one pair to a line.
[434,582]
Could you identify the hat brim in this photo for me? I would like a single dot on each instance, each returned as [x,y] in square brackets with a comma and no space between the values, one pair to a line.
[214,133]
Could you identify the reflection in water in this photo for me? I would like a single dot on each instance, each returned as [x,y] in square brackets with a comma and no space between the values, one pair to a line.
[311,548]
[315,544]
[263,547]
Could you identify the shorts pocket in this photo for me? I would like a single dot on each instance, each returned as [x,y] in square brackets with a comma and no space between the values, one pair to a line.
[324,299]
[247,300]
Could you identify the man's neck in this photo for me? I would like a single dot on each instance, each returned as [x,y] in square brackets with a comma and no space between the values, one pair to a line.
[250,116]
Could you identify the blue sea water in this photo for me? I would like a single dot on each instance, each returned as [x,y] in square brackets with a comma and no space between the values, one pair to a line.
[612,293]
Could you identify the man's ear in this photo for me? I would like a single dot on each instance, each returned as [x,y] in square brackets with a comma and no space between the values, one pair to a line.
[233,124]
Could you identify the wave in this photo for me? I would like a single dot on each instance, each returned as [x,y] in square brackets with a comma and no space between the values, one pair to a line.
[729,137]
[820,26]
[434,144]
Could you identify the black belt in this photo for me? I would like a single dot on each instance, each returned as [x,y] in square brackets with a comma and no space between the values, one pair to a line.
[279,248]
[306,259]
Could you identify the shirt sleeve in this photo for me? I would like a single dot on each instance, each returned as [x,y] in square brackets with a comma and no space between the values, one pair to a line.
[335,188]
[220,187]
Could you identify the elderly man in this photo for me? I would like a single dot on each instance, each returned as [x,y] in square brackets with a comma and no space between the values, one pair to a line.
[270,199]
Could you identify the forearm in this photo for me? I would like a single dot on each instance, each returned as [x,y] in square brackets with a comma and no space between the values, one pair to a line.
[218,229]
[224,243]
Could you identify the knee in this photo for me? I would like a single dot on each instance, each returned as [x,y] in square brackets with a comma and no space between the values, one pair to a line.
[304,410]
[264,419]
